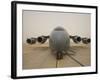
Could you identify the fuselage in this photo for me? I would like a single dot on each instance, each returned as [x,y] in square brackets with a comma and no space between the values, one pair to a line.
[59,40]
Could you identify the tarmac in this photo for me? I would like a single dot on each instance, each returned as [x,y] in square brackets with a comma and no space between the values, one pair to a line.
[39,56]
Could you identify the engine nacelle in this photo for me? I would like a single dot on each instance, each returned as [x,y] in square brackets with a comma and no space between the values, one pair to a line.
[42,39]
[76,39]
[31,40]
[86,40]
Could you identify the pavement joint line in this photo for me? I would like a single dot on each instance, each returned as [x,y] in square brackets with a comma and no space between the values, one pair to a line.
[75,60]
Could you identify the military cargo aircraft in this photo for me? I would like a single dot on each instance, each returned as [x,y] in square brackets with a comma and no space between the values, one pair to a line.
[59,42]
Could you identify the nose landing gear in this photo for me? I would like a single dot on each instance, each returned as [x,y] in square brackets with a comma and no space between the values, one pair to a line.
[59,56]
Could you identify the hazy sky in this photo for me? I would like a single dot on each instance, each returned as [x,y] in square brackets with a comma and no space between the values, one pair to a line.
[37,23]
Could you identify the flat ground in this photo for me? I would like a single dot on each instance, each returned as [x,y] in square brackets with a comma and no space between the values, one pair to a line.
[38,56]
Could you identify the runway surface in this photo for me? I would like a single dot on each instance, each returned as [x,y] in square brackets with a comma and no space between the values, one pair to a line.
[39,56]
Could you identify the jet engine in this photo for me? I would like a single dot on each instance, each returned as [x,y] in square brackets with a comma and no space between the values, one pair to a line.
[31,40]
[42,39]
[86,40]
[76,39]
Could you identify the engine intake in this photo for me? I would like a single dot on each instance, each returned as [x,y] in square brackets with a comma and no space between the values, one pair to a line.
[86,40]
[42,39]
[76,39]
[31,40]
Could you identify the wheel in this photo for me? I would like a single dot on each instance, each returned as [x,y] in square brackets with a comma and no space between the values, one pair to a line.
[59,56]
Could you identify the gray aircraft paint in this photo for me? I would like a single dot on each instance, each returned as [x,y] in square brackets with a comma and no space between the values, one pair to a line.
[59,40]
